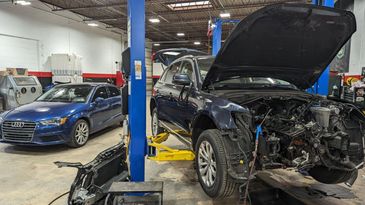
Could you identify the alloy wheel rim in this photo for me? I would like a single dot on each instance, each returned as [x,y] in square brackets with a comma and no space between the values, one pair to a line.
[207,163]
[154,124]
[82,133]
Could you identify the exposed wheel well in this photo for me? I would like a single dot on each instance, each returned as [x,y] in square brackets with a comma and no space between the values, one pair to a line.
[152,106]
[203,122]
[86,119]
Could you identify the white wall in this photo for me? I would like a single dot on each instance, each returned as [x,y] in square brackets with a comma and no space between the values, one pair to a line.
[27,32]
[357,54]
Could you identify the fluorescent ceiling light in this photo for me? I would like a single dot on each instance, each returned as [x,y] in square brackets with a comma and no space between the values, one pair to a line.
[156,44]
[180,34]
[154,20]
[196,43]
[189,5]
[23,3]
[93,24]
[225,15]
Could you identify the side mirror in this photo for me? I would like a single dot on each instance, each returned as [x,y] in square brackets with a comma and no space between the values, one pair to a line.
[99,100]
[181,79]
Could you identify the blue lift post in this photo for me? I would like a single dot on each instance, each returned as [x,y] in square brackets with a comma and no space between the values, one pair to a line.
[217,34]
[321,87]
[137,97]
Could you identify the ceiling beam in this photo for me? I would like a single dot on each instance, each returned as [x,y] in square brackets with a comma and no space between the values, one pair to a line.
[89,7]
[227,8]
[108,5]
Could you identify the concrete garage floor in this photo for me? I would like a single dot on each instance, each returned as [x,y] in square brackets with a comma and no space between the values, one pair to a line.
[29,177]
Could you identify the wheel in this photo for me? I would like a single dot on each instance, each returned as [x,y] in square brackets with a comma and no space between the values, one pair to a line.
[155,124]
[212,165]
[327,176]
[80,134]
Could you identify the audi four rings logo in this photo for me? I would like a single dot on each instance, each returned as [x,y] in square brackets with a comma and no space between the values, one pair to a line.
[17,124]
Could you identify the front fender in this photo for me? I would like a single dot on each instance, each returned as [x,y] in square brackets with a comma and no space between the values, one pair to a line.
[220,111]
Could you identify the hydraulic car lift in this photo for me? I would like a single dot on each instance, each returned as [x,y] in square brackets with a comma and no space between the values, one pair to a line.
[160,152]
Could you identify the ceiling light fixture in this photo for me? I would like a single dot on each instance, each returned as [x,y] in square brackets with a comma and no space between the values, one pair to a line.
[154,20]
[225,15]
[156,44]
[23,3]
[93,24]
[196,43]
[180,34]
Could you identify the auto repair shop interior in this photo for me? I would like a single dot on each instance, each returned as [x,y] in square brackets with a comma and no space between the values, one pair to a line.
[113,102]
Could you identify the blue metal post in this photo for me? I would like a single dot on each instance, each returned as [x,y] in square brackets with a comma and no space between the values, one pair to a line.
[217,36]
[323,82]
[137,97]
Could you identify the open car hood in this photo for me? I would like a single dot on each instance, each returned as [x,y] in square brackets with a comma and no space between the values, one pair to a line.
[291,42]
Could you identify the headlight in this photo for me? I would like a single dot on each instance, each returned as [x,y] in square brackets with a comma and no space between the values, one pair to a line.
[56,121]
[1,120]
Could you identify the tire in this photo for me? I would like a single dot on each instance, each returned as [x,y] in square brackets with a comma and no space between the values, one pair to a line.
[80,134]
[210,145]
[327,176]
[155,124]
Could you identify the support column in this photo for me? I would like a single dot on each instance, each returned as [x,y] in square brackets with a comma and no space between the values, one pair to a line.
[137,97]
[217,36]
[323,82]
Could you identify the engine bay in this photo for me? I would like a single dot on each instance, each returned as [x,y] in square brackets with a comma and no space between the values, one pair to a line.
[316,136]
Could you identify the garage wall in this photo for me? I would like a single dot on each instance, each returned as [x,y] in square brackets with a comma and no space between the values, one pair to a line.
[357,54]
[29,36]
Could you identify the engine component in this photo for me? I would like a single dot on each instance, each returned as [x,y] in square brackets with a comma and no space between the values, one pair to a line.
[322,116]
[321,137]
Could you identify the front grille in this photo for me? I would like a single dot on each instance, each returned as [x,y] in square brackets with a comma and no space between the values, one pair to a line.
[18,134]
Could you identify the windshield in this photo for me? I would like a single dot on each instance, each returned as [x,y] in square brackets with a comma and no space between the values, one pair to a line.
[204,66]
[69,93]
[240,82]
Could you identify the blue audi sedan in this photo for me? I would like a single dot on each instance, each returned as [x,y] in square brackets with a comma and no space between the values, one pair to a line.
[66,114]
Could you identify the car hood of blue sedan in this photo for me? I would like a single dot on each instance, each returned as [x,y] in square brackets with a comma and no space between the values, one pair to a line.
[38,111]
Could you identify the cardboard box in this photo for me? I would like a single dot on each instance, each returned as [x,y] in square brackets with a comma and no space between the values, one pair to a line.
[14,71]
[17,71]
[3,73]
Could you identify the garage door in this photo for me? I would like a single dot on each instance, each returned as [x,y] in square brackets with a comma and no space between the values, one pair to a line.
[16,52]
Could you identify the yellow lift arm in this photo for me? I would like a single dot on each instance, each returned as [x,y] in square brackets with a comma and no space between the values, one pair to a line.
[160,152]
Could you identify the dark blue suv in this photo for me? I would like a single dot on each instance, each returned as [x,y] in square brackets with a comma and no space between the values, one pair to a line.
[67,113]
[248,104]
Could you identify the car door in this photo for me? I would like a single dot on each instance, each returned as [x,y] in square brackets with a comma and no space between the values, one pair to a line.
[115,101]
[164,96]
[99,109]
[184,106]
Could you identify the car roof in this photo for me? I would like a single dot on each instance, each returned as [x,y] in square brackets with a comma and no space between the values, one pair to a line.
[88,83]
[194,57]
